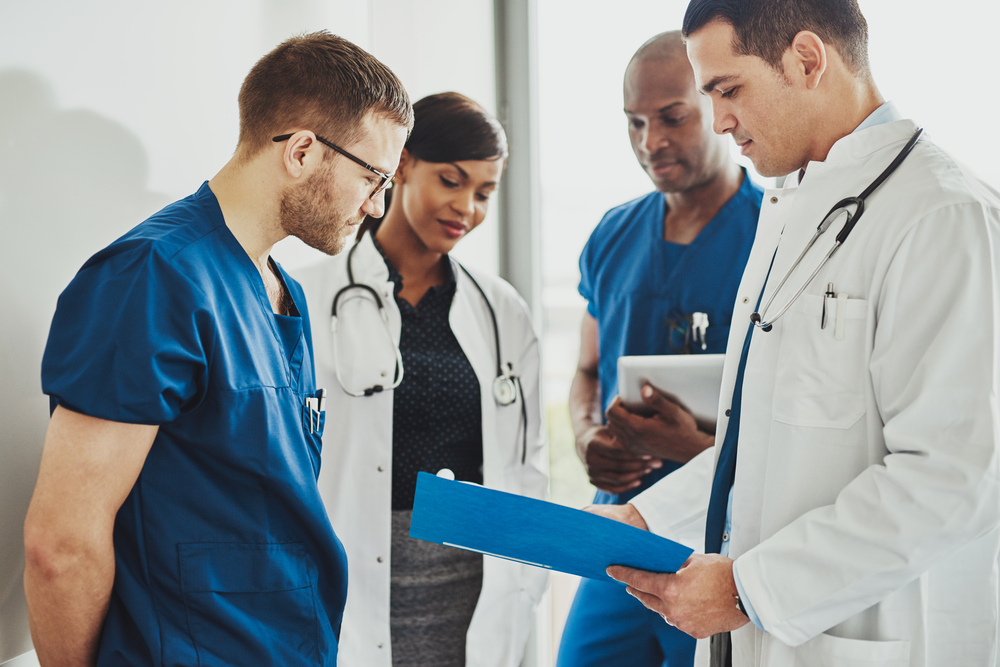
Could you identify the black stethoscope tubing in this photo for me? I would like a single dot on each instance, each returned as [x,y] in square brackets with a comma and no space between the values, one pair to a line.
[757,318]
[506,386]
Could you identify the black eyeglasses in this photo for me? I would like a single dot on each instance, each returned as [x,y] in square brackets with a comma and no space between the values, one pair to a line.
[386,179]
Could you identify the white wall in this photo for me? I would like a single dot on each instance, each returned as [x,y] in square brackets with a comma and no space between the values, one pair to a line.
[110,109]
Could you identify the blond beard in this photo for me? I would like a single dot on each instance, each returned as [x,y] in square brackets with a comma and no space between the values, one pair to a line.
[310,213]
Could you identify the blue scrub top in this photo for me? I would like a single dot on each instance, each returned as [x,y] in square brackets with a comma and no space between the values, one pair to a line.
[224,553]
[641,289]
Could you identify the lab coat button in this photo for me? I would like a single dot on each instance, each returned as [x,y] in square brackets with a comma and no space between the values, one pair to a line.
[727,414]
[380,644]
[774,200]
[725,537]
[380,559]
[746,299]
[381,469]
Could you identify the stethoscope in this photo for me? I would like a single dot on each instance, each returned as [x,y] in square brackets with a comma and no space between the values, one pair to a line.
[506,386]
[841,207]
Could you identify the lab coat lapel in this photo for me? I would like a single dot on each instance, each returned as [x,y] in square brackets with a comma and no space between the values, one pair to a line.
[788,219]
[473,328]
[768,233]
[369,268]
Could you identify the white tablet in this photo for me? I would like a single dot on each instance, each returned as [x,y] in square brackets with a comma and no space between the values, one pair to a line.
[695,379]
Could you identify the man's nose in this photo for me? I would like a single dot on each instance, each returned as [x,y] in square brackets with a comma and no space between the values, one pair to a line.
[654,138]
[723,122]
[374,206]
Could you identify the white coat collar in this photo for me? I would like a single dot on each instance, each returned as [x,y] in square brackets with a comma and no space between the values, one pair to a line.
[863,143]
[856,146]
[368,265]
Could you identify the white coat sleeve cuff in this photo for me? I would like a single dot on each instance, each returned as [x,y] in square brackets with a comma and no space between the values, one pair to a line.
[747,604]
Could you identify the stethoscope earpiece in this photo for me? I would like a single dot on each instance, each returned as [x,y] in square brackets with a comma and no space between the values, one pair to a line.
[755,319]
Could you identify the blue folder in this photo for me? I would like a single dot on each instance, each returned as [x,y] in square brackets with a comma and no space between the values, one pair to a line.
[535,532]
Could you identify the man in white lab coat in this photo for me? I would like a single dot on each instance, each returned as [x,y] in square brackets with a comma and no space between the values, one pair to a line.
[856,487]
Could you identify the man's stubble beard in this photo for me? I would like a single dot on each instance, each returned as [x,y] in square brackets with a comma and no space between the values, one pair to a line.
[310,213]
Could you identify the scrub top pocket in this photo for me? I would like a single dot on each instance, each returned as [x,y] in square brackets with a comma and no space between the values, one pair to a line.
[314,418]
[819,379]
[250,604]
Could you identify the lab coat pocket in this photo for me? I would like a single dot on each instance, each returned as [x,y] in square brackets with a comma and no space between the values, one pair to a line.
[828,651]
[820,372]
[250,604]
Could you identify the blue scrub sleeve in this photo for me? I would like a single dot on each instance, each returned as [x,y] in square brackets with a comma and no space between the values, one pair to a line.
[130,340]
[586,287]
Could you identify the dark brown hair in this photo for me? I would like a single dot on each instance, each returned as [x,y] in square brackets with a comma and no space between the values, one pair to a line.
[766,28]
[449,127]
[318,82]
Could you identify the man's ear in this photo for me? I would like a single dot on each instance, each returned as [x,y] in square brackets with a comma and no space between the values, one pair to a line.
[806,59]
[301,152]
[406,162]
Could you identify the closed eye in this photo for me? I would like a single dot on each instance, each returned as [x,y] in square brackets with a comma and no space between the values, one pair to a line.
[447,183]
[729,94]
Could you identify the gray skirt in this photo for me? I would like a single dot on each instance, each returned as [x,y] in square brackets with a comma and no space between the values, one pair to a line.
[433,593]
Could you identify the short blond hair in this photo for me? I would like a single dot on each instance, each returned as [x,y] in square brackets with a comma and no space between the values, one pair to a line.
[320,82]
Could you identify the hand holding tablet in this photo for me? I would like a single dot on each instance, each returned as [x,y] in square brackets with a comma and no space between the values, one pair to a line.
[694,380]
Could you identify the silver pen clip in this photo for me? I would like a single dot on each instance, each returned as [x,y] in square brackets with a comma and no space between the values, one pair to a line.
[310,406]
[316,406]
[699,324]
[826,295]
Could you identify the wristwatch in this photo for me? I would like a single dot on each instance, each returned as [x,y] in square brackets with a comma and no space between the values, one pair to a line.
[739,605]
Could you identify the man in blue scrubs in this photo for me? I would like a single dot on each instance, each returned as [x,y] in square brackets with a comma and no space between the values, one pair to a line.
[652,272]
[176,518]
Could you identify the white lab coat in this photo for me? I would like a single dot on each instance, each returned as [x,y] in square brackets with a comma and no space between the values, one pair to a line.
[867,496]
[356,475]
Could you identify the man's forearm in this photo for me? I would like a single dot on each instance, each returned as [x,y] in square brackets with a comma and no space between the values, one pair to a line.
[68,600]
[583,402]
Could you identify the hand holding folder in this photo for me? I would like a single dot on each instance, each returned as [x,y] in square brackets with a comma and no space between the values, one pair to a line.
[535,532]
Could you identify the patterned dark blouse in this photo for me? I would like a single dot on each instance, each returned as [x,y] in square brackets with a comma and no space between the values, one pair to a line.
[436,411]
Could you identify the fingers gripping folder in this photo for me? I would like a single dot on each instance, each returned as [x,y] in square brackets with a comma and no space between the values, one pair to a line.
[535,532]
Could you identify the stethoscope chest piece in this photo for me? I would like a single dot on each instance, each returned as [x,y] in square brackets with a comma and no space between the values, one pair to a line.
[504,390]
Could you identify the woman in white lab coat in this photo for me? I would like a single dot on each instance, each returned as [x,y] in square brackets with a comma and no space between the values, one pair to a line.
[445,375]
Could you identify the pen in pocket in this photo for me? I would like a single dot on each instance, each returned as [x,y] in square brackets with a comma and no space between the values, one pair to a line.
[826,295]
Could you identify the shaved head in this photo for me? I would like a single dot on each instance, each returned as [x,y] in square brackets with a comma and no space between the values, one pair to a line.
[661,48]
[670,123]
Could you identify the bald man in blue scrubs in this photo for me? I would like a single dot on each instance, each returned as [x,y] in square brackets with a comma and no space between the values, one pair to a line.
[654,270]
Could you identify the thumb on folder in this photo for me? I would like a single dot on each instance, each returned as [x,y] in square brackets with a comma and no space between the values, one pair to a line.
[626,513]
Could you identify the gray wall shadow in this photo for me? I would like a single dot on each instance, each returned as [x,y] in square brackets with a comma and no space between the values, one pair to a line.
[71,181]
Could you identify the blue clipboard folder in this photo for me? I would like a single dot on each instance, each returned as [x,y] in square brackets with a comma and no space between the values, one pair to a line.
[535,532]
